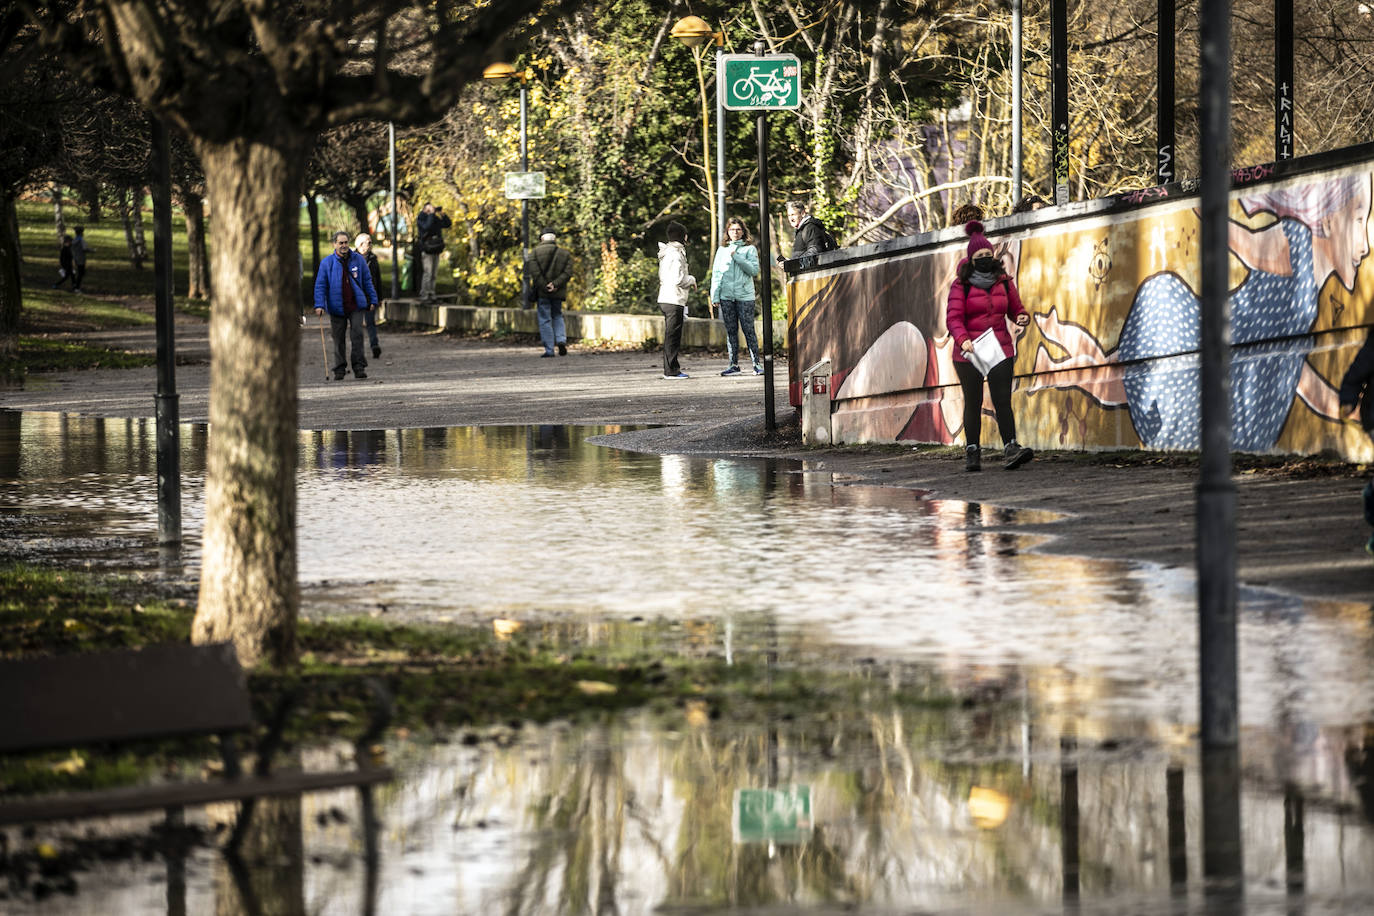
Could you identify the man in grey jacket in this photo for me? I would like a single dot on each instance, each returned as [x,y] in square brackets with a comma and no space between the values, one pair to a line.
[550,268]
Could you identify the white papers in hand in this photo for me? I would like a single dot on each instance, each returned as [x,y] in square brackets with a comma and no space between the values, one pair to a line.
[987,352]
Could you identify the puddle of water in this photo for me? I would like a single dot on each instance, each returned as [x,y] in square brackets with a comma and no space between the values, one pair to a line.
[958,810]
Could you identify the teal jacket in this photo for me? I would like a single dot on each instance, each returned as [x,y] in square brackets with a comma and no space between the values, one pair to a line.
[733,272]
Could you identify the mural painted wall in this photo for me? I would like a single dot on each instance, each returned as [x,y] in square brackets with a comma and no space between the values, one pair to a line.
[1110,358]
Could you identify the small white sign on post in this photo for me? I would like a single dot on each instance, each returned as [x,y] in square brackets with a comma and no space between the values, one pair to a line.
[524,185]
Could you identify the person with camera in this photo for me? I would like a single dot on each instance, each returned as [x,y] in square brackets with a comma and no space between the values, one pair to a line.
[431,224]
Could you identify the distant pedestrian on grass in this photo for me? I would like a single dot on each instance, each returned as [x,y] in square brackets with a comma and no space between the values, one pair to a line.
[732,291]
[1357,393]
[363,245]
[79,251]
[550,268]
[674,282]
[343,287]
[981,299]
[65,270]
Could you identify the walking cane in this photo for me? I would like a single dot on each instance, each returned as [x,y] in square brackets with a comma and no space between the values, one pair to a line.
[323,351]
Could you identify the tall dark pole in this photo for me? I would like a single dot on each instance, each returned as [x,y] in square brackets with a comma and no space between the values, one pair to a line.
[395,216]
[167,408]
[524,202]
[1164,96]
[1016,103]
[770,422]
[1216,494]
[1059,90]
[1283,80]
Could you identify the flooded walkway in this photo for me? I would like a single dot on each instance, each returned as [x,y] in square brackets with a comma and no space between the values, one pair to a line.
[1063,770]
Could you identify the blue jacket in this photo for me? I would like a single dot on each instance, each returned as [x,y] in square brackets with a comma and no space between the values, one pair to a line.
[733,272]
[329,284]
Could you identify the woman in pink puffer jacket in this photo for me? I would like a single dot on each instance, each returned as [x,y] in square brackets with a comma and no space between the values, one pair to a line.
[983,297]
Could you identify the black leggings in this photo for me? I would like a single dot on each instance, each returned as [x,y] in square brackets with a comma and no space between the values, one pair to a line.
[999,386]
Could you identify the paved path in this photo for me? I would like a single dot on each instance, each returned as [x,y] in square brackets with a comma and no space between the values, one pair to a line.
[1299,526]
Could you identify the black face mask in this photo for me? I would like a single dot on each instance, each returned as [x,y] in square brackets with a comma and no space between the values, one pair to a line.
[987,265]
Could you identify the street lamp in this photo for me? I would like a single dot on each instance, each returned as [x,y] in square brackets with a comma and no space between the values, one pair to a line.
[693,32]
[500,72]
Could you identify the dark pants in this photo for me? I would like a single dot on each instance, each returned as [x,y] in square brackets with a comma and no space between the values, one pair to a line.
[672,337]
[352,326]
[738,315]
[80,275]
[370,322]
[999,386]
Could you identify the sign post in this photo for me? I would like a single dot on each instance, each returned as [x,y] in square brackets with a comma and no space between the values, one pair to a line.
[762,82]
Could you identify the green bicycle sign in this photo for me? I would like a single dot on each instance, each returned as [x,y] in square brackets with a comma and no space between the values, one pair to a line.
[749,83]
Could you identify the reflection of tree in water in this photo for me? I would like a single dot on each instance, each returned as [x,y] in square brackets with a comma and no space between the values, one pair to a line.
[581,823]
[269,878]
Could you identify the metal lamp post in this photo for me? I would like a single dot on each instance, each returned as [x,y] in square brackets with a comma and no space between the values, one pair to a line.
[500,72]
[693,32]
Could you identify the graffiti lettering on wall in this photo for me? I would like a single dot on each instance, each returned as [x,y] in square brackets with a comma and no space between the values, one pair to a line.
[1110,358]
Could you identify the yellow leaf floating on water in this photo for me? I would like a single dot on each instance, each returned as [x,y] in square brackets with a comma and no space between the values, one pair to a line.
[988,807]
[73,764]
[504,628]
[595,688]
[697,713]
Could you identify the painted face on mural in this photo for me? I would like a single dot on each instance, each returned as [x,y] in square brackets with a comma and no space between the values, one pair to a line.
[1348,231]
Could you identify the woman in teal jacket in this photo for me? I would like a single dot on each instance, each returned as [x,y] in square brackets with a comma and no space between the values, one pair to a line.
[732,289]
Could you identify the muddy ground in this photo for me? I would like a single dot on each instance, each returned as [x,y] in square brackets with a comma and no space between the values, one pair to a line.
[1299,524]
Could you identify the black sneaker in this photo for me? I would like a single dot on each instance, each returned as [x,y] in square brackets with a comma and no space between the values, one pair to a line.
[973,458]
[563,349]
[376,352]
[358,373]
[1016,455]
[338,376]
[733,370]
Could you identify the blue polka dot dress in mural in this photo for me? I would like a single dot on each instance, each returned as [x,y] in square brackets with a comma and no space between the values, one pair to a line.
[1160,339]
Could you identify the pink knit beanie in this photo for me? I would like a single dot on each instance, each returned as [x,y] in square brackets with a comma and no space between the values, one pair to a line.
[977,241]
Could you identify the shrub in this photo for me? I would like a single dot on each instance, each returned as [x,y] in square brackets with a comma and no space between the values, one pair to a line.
[626,285]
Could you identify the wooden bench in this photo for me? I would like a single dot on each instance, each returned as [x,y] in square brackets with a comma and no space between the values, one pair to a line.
[159,692]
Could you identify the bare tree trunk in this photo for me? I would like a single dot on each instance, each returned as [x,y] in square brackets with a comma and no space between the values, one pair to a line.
[90,195]
[248,588]
[11,303]
[57,213]
[312,206]
[359,208]
[198,269]
[136,255]
[136,217]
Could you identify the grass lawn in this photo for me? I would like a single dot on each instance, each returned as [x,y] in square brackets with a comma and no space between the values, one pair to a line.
[115,294]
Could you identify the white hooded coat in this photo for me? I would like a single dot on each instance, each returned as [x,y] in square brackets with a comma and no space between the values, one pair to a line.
[673,279]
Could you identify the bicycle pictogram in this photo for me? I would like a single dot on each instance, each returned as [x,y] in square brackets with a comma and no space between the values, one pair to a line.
[761,86]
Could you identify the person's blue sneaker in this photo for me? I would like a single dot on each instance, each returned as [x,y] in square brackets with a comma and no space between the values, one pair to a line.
[733,370]
[758,370]
[678,376]
[546,356]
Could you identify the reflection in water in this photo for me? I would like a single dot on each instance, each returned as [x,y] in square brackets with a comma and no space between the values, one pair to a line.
[1067,779]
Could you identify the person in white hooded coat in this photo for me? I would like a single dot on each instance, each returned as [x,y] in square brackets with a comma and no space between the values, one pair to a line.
[674,282]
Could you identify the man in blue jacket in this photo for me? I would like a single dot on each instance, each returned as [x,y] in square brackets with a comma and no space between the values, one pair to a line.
[343,287]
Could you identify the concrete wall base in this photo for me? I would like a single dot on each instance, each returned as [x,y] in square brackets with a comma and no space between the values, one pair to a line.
[696,332]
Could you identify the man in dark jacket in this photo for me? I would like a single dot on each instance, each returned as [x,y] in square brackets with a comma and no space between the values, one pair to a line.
[1357,392]
[430,224]
[811,237]
[550,268]
[343,287]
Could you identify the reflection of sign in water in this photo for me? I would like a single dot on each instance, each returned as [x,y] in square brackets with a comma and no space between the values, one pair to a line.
[524,185]
[781,816]
[748,82]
